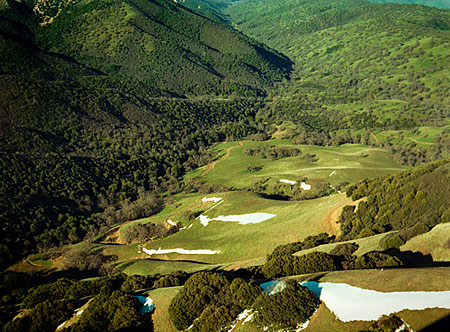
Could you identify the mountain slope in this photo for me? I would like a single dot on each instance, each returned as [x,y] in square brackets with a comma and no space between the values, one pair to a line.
[159,42]
[352,53]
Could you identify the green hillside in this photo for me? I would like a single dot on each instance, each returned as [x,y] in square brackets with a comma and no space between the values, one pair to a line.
[209,8]
[159,148]
[350,54]
[157,43]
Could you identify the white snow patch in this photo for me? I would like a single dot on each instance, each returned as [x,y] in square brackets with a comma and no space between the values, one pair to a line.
[350,303]
[248,319]
[305,186]
[180,251]
[332,173]
[147,304]
[204,220]
[243,219]
[211,199]
[60,326]
[288,181]
[170,222]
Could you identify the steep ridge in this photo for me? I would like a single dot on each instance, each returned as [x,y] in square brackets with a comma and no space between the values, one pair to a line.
[158,42]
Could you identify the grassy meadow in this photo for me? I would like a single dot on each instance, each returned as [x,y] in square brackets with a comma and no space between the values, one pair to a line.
[293,222]
[351,163]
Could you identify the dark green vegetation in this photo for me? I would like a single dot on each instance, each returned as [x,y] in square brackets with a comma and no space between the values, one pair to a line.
[411,201]
[209,301]
[107,302]
[341,258]
[209,8]
[106,105]
[360,66]
[386,324]
[272,152]
[288,265]
[163,47]
[285,310]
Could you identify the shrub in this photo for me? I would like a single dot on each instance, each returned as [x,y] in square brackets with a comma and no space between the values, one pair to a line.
[199,291]
[291,265]
[135,282]
[287,309]
[212,319]
[116,311]
[344,249]
[391,241]
[375,259]
[408,233]
[246,293]
[48,292]
[389,323]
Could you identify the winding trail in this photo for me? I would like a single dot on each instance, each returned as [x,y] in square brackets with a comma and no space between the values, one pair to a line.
[225,156]
[408,138]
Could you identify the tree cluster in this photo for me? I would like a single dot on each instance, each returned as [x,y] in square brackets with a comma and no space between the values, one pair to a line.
[412,201]
[208,302]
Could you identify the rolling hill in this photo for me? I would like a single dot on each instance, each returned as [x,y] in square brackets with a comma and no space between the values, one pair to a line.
[351,54]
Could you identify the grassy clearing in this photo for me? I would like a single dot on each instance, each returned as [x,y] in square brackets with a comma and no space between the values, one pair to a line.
[293,222]
[352,163]
[435,242]
[239,245]
[365,245]
[420,319]
[149,267]
[162,298]
[325,320]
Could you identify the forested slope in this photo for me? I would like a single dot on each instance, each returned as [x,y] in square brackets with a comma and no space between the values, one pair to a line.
[418,199]
[350,54]
[155,42]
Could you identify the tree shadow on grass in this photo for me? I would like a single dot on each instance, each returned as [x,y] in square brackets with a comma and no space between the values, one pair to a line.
[415,259]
